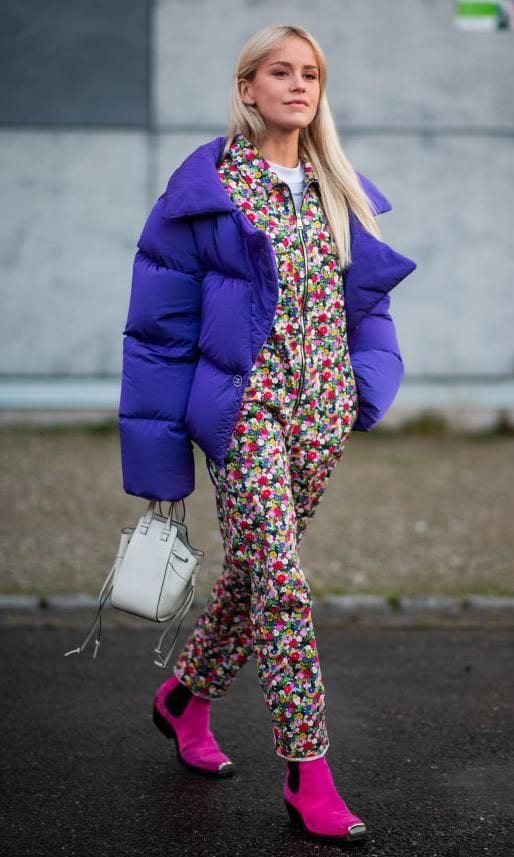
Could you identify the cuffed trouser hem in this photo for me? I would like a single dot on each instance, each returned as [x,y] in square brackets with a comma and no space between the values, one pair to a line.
[303,758]
[195,692]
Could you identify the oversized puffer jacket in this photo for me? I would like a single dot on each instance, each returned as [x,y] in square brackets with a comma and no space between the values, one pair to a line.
[204,292]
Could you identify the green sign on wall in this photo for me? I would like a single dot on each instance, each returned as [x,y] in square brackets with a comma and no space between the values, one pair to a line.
[484,17]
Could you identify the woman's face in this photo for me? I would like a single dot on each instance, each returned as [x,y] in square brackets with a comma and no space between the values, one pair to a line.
[286,86]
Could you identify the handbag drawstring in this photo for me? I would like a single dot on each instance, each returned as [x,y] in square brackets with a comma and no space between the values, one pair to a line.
[180,614]
[103,599]
[104,596]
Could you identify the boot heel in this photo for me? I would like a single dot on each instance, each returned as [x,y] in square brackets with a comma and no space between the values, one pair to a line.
[294,816]
[162,724]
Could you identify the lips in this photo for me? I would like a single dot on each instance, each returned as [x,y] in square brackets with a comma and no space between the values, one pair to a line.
[303,103]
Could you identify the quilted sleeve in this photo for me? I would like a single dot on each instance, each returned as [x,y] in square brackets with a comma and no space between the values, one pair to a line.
[160,353]
[377,364]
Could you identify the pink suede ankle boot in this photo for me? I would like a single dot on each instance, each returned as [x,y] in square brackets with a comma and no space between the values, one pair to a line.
[181,715]
[315,806]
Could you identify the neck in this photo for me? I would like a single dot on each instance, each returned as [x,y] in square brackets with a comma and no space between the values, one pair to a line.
[281,147]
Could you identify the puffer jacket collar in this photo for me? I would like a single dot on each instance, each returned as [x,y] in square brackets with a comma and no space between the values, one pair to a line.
[195,189]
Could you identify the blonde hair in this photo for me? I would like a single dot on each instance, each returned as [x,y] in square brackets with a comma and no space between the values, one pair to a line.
[318,143]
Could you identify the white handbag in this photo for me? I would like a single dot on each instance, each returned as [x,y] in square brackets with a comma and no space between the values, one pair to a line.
[153,576]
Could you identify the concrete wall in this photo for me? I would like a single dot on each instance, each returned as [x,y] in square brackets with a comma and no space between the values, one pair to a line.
[100,101]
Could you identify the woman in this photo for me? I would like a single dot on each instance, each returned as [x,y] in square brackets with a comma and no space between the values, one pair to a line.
[259,328]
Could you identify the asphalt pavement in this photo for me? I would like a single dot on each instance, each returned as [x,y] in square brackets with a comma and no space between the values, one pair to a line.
[421,724]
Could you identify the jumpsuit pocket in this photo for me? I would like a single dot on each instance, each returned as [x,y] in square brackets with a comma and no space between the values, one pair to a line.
[329,375]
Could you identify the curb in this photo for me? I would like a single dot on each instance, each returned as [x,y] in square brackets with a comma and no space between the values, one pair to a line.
[340,609]
[416,609]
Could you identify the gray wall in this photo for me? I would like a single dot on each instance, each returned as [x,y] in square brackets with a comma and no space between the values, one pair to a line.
[100,101]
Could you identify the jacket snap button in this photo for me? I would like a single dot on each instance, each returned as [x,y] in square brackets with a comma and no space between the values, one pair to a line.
[237,380]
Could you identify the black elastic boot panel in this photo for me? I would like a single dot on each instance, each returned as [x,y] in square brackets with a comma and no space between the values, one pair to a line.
[293,779]
[177,699]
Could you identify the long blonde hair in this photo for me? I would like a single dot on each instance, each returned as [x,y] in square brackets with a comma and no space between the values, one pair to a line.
[318,143]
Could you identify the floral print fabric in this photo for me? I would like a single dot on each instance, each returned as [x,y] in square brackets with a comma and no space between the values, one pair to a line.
[297,413]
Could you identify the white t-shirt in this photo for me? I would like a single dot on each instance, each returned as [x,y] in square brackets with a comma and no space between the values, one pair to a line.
[294,176]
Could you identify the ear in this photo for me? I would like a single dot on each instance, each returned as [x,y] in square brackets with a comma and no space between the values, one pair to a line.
[245,90]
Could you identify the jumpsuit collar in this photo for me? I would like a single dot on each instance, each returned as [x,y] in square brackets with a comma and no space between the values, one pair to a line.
[200,169]
[256,170]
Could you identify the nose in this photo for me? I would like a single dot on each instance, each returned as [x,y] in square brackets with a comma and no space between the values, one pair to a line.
[297,81]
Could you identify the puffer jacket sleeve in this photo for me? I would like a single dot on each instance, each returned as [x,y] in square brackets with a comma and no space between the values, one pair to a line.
[160,354]
[377,364]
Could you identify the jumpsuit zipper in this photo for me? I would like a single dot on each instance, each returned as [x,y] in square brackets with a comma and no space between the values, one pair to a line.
[299,223]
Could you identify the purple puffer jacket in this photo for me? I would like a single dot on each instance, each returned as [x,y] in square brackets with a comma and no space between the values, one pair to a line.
[204,291]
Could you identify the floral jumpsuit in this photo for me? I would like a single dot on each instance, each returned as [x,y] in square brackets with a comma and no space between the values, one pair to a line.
[297,412]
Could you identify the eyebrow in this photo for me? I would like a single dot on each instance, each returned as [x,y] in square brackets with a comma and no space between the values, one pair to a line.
[283,62]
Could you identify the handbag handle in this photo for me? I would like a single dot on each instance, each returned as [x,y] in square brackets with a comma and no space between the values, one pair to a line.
[166,530]
[172,506]
[147,517]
